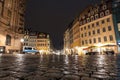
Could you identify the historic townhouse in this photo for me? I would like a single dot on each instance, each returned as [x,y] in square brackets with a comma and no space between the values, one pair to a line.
[99,29]
[11,24]
[39,40]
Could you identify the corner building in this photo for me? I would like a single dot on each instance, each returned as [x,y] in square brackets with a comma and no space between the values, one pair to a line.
[11,25]
[99,29]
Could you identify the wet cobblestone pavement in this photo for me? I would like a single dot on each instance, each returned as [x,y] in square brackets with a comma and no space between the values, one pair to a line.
[64,67]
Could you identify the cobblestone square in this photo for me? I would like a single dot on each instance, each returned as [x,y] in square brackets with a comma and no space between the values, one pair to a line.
[59,67]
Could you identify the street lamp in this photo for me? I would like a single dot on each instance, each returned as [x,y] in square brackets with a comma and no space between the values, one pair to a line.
[22,41]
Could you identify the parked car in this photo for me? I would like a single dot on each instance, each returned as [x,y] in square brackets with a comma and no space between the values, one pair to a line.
[29,49]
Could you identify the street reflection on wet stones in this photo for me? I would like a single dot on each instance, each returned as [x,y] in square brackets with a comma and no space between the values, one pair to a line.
[59,67]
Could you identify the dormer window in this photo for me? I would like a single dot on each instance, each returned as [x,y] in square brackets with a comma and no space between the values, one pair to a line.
[107,12]
[96,16]
[104,7]
[92,18]
[102,14]
[88,19]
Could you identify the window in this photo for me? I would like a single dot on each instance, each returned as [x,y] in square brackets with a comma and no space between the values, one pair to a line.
[90,41]
[84,21]
[104,7]
[8,40]
[92,25]
[80,23]
[81,29]
[89,33]
[81,35]
[88,20]
[103,21]
[93,32]
[97,23]
[94,40]
[92,18]
[99,39]
[82,42]
[85,28]
[105,38]
[111,38]
[104,30]
[88,26]
[98,31]
[108,19]
[86,42]
[96,16]
[102,14]
[109,28]
[107,12]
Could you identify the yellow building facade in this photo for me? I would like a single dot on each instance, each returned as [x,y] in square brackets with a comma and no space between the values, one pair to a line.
[95,30]
[11,24]
[43,43]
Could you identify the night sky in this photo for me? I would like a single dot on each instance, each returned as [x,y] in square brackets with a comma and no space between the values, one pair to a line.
[53,16]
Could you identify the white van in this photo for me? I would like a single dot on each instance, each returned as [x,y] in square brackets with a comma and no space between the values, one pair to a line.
[29,49]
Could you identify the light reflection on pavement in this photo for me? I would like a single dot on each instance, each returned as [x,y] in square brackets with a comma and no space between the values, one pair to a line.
[59,67]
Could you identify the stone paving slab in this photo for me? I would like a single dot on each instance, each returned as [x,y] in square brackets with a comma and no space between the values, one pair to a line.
[45,67]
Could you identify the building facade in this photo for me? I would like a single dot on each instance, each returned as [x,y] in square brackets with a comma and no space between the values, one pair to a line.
[11,24]
[43,43]
[97,29]
[39,40]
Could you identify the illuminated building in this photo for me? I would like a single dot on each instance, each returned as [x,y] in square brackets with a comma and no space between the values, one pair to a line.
[38,40]
[11,24]
[98,28]
[43,43]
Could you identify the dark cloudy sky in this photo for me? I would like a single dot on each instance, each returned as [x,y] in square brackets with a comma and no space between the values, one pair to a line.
[53,16]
